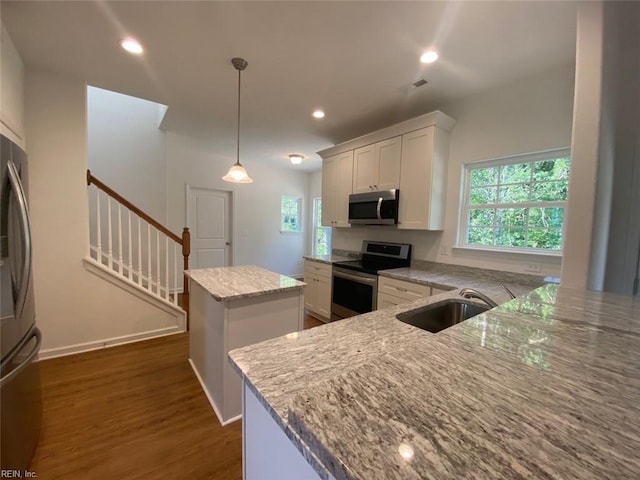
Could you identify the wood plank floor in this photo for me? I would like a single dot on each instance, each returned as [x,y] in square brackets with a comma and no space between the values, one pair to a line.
[133,412]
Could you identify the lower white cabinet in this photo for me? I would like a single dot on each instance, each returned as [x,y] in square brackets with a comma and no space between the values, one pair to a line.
[317,293]
[392,291]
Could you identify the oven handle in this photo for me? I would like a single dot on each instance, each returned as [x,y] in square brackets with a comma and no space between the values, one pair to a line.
[356,278]
[378,208]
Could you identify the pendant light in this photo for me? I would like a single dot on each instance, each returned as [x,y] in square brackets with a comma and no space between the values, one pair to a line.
[237,173]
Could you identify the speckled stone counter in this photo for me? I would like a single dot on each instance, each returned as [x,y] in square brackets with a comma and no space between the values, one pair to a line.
[544,386]
[327,258]
[447,277]
[232,283]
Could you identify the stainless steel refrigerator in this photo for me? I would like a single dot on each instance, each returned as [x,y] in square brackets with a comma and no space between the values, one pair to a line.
[20,339]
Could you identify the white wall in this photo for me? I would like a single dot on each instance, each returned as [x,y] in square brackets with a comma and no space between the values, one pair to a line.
[75,309]
[126,149]
[256,218]
[527,115]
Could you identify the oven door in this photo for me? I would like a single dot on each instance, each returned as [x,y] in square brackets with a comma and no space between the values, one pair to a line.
[353,293]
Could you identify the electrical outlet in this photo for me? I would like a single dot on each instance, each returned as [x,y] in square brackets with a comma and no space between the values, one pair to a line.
[445,250]
[532,267]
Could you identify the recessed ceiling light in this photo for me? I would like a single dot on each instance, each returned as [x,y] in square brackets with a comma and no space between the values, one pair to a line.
[132,45]
[296,158]
[429,57]
[318,114]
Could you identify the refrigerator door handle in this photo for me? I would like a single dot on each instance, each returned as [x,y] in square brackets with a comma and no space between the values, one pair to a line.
[13,373]
[16,184]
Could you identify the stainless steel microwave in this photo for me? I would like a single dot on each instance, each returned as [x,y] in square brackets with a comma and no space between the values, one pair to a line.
[374,208]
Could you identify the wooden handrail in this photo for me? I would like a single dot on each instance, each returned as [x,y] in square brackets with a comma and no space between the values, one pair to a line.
[120,199]
[184,240]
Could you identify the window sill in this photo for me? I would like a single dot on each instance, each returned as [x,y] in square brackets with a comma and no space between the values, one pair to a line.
[533,253]
[290,232]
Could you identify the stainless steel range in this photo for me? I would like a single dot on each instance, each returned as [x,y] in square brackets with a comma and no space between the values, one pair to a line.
[355,283]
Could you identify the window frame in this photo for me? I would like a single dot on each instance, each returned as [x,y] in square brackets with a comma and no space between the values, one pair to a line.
[317,224]
[465,205]
[298,199]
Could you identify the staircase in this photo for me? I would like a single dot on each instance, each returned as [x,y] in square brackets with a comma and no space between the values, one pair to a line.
[143,254]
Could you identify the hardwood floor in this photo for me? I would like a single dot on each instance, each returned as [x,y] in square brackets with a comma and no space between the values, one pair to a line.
[133,412]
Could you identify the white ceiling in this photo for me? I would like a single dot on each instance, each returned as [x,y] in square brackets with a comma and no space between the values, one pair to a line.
[356,60]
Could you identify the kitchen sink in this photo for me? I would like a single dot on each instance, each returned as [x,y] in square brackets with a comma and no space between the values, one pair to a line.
[437,317]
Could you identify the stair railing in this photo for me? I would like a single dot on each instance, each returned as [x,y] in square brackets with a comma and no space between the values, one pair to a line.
[128,248]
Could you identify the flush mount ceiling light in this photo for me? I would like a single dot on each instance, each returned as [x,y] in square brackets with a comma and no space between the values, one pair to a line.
[237,173]
[318,114]
[429,57]
[296,158]
[132,45]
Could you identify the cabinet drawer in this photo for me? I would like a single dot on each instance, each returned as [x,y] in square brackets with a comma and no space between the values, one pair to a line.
[317,268]
[385,300]
[406,290]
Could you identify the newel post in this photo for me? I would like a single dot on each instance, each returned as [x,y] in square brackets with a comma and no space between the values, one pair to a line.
[186,251]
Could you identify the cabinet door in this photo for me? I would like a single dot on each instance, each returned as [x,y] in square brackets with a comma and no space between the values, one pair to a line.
[310,291]
[422,182]
[344,183]
[329,178]
[323,296]
[388,164]
[364,169]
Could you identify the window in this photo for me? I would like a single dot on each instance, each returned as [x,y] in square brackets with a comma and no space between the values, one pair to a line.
[291,214]
[321,235]
[516,203]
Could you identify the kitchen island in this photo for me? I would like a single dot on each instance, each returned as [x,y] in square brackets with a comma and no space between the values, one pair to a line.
[544,386]
[231,307]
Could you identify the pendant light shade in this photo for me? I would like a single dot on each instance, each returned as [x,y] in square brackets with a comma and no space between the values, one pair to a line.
[237,173]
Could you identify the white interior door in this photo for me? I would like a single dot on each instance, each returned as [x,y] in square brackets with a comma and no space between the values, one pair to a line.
[209,221]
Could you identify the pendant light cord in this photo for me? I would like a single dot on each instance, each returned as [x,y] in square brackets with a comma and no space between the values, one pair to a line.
[238,140]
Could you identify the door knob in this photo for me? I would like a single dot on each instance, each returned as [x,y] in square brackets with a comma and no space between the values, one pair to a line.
[227,243]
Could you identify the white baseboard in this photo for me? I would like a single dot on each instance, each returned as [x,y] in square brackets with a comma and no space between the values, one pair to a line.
[106,343]
[213,404]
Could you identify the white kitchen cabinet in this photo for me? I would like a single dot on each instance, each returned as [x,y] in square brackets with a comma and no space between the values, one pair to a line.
[317,293]
[423,176]
[337,179]
[12,91]
[377,167]
[400,291]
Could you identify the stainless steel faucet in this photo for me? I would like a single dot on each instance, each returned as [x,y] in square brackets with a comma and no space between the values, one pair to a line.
[473,293]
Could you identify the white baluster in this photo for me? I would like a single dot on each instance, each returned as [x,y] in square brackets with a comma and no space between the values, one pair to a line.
[158,276]
[149,276]
[139,253]
[130,246]
[120,239]
[99,230]
[166,266]
[110,241]
[175,274]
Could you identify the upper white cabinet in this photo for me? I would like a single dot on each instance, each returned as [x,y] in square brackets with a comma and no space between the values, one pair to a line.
[377,166]
[411,156]
[423,179]
[12,91]
[337,175]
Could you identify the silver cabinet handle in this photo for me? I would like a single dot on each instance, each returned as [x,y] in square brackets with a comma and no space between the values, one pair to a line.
[18,190]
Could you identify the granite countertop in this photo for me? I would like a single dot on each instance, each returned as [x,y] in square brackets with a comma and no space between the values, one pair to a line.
[544,386]
[232,283]
[332,258]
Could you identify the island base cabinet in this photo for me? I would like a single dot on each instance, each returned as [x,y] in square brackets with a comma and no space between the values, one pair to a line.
[216,327]
[267,452]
